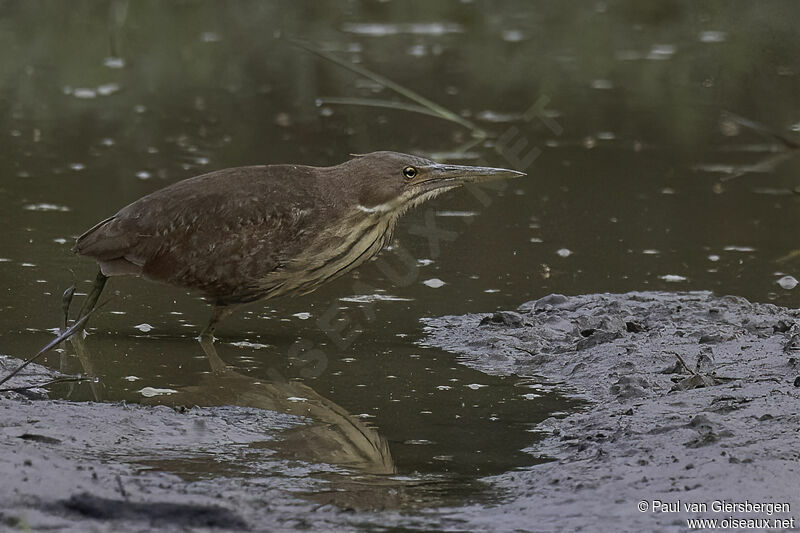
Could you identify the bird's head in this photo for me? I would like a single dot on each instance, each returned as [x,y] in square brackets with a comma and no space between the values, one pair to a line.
[391,182]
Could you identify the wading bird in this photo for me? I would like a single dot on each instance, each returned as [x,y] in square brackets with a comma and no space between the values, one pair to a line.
[250,233]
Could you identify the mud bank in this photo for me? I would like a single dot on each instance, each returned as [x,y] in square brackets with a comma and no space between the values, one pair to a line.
[725,428]
[688,399]
[83,466]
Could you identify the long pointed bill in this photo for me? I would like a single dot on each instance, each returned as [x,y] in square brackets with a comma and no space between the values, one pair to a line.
[440,176]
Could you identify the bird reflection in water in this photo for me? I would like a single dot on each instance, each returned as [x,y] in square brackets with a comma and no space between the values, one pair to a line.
[332,436]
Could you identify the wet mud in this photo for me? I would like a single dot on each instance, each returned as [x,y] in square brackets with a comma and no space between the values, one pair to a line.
[690,398]
[683,397]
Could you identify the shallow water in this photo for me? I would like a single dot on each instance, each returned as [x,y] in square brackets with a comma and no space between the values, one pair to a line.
[637,181]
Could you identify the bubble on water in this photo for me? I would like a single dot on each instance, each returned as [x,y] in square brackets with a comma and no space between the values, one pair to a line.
[433,283]
[739,249]
[77,166]
[444,387]
[673,278]
[144,328]
[143,175]
[302,316]
[131,378]
[476,386]
[713,257]
[563,252]
[297,399]
[787,282]
[424,262]
[650,251]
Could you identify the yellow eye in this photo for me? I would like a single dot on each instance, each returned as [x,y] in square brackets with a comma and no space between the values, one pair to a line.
[409,172]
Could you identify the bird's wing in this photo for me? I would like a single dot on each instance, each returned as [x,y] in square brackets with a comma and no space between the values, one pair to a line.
[230,226]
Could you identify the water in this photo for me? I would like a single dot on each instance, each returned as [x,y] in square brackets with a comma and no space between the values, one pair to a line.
[637,181]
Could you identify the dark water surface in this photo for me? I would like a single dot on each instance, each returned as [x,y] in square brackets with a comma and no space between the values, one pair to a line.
[637,181]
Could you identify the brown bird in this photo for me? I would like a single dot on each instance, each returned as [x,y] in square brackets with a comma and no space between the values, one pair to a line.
[250,233]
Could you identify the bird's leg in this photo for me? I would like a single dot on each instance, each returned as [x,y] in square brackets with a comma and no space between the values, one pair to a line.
[66,302]
[94,295]
[206,339]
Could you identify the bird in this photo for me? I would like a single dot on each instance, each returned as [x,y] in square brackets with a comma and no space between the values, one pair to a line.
[245,234]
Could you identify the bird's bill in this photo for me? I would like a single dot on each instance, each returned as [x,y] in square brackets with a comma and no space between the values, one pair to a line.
[437,176]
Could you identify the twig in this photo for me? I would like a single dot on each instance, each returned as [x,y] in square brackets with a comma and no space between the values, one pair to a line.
[55,381]
[435,108]
[680,359]
[760,128]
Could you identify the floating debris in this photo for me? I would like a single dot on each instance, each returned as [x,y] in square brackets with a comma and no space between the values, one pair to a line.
[46,207]
[433,283]
[661,51]
[673,278]
[114,62]
[248,344]
[456,213]
[368,298]
[563,252]
[712,36]
[149,392]
[602,84]
[381,30]
[210,37]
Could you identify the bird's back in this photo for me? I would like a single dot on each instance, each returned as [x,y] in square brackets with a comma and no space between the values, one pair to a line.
[222,233]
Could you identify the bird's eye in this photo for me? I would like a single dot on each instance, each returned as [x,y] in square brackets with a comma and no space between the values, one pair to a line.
[409,172]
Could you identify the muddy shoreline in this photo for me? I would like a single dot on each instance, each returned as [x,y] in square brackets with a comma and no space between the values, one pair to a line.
[688,398]
[723,429]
